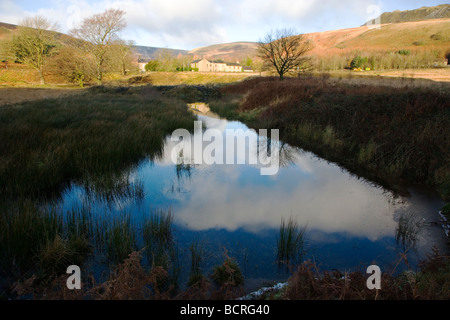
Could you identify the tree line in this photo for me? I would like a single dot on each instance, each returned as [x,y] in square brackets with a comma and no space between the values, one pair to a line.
[93,48]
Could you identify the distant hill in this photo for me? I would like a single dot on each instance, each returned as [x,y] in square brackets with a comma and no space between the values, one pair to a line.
[424,13]
[231,52]
[235,51]
[144,52]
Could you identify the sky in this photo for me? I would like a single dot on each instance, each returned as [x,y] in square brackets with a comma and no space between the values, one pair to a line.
[189,24]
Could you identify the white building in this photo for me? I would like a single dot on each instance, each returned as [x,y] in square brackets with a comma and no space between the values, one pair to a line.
[205,65]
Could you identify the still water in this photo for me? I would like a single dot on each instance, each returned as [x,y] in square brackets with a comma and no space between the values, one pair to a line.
[350,222]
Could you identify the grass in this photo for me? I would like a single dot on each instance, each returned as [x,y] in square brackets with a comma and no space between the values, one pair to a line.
[45,145]
[197,256]
[160,248]
[408,230]
[93,139]
[41,241]
[119,237]
[290,243]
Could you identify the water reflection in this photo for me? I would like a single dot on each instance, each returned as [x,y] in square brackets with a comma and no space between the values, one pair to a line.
[350,221]
[314,191]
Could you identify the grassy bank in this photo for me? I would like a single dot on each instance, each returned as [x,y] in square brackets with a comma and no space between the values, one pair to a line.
[392,135]
[46,144]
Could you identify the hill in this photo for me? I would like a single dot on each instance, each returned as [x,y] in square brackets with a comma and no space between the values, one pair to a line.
[6,30]
[424,13]
[152,52]
[228,52]
[406,35]
[235,51]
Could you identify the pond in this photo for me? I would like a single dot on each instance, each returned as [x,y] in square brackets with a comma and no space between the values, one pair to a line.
[232,208]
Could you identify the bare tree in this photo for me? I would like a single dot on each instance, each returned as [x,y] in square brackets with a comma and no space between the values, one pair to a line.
[34,42]
[284,50]
[98,33]
[121,55]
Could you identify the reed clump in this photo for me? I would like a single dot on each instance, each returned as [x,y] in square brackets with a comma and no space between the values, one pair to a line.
[290,243]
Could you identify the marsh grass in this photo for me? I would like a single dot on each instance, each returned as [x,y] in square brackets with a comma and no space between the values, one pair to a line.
[92,140]
[41,241]
[119,237]
[197,250]
[160,248]
[47,144]
[376,129]
[290,243]
[408,231]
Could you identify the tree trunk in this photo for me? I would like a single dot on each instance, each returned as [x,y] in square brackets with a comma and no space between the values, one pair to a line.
[99,74]
[41,76]
[124,70]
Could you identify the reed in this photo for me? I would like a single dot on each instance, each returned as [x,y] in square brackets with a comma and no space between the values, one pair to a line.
[197,256]
[119,238]
[160,248]
[408,230]
[290,243]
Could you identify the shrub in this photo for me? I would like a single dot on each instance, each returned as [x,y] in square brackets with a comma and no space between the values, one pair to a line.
[358,62]
[404,52]
[228,274]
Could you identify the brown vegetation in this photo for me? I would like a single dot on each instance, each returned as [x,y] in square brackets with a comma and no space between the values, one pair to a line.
[386,133]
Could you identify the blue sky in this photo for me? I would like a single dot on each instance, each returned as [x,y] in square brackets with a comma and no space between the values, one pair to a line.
[188,24]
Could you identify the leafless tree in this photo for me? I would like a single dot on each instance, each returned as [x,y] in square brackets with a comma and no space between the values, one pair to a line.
[99,33]
[121,55]
[284,50]
[34,42]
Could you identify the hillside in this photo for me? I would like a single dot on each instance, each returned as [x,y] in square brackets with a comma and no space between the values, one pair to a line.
[6,30]
[229,51]
[408,35]
[151,52]
[424,13]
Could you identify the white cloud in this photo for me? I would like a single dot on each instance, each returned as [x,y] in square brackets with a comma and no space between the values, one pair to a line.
[189,24]
[10,12]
